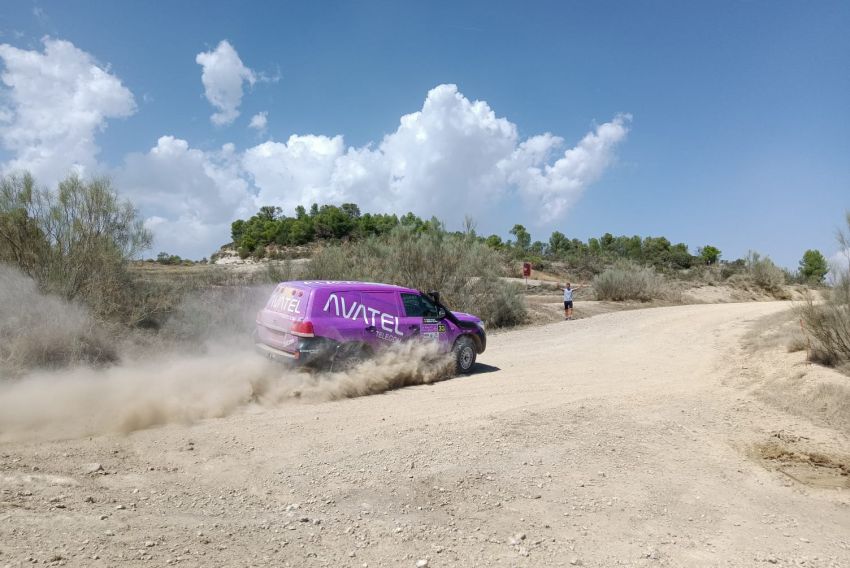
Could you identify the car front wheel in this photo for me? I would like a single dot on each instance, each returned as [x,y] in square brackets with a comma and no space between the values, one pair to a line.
[464,355]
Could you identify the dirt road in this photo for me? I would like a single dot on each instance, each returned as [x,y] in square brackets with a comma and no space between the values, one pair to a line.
[623,439]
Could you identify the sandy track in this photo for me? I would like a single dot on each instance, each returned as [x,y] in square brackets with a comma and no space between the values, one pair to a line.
[616,440]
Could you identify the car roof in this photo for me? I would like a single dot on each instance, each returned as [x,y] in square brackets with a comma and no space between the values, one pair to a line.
[348,286]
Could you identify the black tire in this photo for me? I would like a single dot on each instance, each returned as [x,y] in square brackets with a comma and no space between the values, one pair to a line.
[464,355]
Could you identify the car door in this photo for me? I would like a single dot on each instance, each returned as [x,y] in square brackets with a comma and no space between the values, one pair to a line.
[421,318]
[383,313]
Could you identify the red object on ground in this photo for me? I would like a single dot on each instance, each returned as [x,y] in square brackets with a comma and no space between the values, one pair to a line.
[526,269]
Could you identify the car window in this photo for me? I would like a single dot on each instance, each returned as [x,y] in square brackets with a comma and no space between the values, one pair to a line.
[430,309]
[416,306]
[413,307]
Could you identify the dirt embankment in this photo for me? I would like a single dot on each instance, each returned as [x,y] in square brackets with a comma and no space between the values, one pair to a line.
[623,439]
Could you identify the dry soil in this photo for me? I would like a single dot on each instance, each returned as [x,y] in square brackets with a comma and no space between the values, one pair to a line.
[625,439]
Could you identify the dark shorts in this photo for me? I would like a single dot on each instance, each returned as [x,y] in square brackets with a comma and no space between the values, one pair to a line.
[568,304]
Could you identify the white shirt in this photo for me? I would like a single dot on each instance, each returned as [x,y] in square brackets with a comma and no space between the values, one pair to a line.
[568,294]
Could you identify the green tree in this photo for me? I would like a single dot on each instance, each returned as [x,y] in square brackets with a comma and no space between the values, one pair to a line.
[709,254]
[301,231]
[82,235]
[237,229]
[538,248]
[523,238]
[22,241]
[680,257]
[165,258]
[656,250]
[558,243]
[412,221]
[813,266]
[351,209]
[331,222]
[494,242]
[269,213]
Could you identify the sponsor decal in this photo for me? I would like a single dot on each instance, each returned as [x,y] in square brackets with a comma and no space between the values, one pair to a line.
[355,311]
[387,336]
[286,301]
[441,328]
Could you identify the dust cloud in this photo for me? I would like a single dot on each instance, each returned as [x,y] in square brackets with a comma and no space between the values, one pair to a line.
[184,389]
[51,387]
[39,330]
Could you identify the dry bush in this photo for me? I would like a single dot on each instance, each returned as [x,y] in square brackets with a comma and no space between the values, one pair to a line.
[467,273]
[628,281]
[828,323]
[42,331]
[765,274]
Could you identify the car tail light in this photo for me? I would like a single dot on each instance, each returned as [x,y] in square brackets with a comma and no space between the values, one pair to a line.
[302,329]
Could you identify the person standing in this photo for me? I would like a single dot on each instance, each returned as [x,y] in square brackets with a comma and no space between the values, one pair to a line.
[568,302]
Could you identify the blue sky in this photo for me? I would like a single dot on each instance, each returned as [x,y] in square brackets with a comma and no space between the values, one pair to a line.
[738,134]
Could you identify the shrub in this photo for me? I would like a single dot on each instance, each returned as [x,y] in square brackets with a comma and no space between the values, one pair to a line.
[828,322]
[765,274]
[628,281]
[465,271]
[730,269]
[74,242]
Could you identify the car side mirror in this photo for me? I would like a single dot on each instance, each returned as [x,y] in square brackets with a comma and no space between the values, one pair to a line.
[441,313]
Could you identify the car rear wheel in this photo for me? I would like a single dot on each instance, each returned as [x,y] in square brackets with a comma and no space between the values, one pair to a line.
[349,356]
[464,355]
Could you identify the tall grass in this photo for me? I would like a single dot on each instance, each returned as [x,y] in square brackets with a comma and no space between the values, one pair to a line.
[466,272]
[629,281]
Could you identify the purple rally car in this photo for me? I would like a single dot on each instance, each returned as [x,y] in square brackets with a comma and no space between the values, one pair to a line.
[338,324]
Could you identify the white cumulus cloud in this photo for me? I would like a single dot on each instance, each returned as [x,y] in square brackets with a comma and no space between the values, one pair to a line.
[454,155]
[222,75]
[259,121]
[554,187]
[189,196]
[53,104]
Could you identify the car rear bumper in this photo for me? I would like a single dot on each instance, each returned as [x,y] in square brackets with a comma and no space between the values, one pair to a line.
[308,352]
[277,354]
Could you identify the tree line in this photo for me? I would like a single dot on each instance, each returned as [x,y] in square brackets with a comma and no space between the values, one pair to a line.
[346,222]
[270,226]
